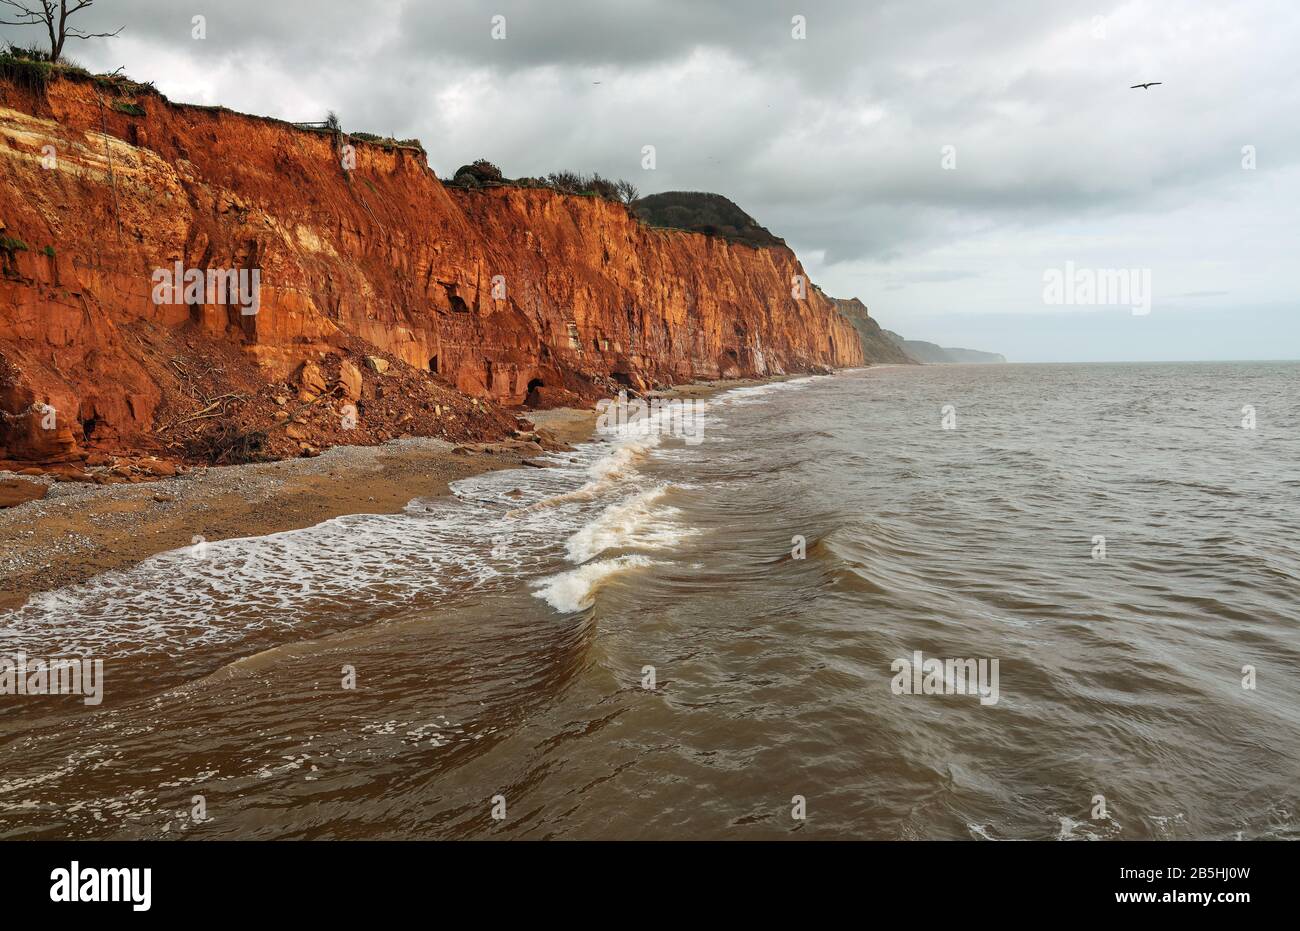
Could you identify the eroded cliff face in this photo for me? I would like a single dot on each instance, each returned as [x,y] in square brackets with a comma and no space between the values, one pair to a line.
[877,347]
[511,295]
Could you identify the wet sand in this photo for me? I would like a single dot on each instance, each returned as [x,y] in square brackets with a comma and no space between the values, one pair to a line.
[80,530]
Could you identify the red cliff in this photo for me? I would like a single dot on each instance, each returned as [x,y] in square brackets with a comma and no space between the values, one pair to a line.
[512,295]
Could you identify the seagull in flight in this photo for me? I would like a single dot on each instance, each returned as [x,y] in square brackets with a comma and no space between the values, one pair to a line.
[1147,85]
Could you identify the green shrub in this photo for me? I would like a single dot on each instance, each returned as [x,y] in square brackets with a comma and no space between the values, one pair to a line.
[11,245]
[593,185]
[388,141]
[24,71]
[30,66]
[566,182]
[699,212]
[130,109]
[26,52]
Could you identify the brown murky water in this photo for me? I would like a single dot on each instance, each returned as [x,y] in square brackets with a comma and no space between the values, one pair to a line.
[500,643]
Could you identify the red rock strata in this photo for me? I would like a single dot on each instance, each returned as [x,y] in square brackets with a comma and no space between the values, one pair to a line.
[380,261]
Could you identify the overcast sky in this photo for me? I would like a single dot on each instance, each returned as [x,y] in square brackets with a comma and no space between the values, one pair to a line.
[836,141]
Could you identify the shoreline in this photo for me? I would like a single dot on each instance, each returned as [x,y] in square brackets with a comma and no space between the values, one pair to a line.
[82,530]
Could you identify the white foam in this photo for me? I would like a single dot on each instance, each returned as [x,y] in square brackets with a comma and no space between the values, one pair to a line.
[576,589]
[623,459]
[634,523]
[681,419]
[361,567]
[350,570]
[751,393]
[604,474]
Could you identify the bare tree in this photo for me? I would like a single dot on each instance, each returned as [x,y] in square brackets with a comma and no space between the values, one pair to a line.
[627,191]
[53,15]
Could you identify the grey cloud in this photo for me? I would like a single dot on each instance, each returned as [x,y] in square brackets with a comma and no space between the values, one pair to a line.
[834,142]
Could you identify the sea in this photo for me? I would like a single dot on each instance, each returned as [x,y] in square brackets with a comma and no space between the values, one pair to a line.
[964,602]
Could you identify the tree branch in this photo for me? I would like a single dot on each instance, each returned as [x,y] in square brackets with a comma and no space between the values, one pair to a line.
[53,15]
[38,16]
[76,33]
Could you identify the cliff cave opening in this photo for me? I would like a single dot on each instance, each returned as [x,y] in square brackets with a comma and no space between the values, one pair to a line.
[533,397]
[433,364]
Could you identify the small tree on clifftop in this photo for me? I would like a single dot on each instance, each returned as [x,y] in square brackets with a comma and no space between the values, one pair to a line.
[627,191]
[53,15]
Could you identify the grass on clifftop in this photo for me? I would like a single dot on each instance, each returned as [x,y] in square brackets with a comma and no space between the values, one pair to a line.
[26,67]
[29,67]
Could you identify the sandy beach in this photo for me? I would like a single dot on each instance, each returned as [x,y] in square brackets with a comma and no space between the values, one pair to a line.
[80,530]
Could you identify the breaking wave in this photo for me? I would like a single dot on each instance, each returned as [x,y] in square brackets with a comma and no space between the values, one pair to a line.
[575,590]
[639,522]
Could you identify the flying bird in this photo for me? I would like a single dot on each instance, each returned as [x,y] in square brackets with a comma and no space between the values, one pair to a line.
[1146,85]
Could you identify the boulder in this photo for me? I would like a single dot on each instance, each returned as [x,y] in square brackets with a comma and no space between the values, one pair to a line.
[15,491]
[544,397]
[311,381]
[38,434]
[71,475]
[157,467]
[350,378]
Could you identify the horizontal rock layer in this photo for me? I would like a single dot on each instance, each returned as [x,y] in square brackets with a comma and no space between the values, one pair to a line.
[510,294]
